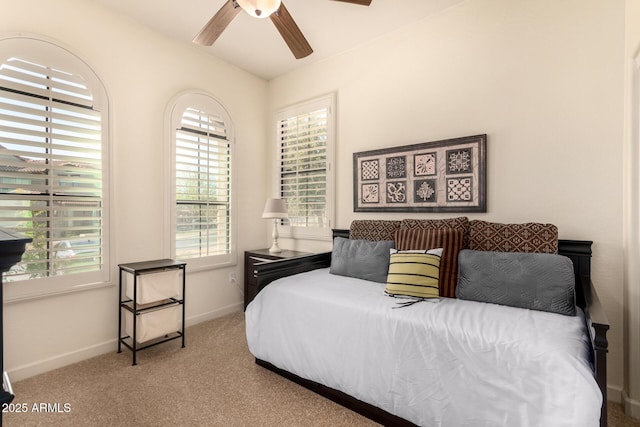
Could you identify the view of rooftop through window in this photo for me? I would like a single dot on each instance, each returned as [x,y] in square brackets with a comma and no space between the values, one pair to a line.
[50,169]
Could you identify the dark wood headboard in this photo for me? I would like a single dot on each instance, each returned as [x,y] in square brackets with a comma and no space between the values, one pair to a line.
[579,251]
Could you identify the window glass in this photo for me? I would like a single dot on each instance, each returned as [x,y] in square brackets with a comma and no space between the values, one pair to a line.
[202,142]
[52,165]
[305,142]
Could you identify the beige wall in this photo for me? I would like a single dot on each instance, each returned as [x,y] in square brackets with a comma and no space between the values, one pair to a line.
[631,395]
[543,79]
[142,71]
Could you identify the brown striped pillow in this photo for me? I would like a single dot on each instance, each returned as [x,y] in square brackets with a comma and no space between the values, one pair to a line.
[451,242]
[457,223]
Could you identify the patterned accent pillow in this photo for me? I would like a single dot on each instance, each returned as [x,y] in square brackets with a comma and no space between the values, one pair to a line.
[458,223]
[373,229]
[413,274]
[528,237]
[451,242]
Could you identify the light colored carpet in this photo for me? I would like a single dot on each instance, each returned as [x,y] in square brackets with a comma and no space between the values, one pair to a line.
[212,382]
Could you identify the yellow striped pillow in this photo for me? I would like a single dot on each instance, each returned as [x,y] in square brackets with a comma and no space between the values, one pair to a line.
[413,274]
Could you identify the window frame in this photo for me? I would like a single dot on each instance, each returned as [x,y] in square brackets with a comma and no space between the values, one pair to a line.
[325,101]
[205,102]
[41,50]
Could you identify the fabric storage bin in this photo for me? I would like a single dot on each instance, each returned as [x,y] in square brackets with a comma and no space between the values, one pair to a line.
[154,324]
[154,287]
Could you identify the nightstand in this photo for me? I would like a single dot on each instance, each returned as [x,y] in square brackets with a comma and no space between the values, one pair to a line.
[260,255]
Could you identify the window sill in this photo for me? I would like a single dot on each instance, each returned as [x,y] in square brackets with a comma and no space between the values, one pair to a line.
[301,233]
[210,266]
[16,292]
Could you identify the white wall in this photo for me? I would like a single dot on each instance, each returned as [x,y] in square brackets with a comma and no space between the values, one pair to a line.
[142,71]
[631,395]
[544,80]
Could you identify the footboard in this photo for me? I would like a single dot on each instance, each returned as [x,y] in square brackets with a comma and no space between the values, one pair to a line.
[598,325]
[579,251]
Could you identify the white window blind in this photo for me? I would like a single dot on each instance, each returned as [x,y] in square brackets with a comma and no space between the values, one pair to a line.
[303,138]
[203,185]
[51,176]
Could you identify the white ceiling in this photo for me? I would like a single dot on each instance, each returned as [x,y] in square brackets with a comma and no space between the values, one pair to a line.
[255,45]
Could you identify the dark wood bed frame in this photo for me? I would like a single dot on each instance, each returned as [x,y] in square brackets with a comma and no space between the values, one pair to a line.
[579,251]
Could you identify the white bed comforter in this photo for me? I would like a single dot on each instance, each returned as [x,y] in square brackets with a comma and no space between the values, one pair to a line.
[448,363]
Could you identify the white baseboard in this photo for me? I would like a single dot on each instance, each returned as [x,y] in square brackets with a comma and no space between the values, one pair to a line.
[194,320]
[51,363]
[58,361]
[618,395]
[614,393]
[631,406]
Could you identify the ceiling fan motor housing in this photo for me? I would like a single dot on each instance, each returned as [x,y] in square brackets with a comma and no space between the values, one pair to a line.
[259,8]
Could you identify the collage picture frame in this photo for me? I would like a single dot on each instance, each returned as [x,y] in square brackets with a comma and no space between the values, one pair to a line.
[441,176]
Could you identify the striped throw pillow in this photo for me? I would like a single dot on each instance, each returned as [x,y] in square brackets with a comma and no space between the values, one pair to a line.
[413,274]
[458,223]
[449,239]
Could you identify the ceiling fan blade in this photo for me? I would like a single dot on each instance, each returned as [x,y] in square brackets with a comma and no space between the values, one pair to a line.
[291,33]
[360,2]
[216,25]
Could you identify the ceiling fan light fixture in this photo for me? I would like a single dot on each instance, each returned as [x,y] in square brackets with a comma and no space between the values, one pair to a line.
[259,8]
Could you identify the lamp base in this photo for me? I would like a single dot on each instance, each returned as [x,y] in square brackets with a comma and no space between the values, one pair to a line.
[275,248]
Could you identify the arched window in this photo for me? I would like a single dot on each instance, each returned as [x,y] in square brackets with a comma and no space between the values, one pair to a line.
[53,166]
[202,152]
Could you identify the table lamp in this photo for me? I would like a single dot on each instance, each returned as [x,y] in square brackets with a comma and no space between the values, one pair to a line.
[276,209]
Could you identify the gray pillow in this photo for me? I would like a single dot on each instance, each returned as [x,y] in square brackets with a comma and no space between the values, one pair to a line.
[363,259]
[536,281]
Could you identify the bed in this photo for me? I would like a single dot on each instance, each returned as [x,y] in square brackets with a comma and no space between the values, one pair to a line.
[443,361]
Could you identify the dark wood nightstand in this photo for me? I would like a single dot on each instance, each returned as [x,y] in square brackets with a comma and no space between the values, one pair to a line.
[261,255]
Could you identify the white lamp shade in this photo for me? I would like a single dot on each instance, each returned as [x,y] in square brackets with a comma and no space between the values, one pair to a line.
[275,208]
[259,8]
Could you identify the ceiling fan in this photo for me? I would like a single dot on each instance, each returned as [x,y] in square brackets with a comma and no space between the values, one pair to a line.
[273,9]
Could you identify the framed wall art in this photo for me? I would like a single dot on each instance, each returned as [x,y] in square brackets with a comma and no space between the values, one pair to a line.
[440,176]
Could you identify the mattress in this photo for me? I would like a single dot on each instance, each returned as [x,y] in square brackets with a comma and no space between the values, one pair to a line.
[444,363]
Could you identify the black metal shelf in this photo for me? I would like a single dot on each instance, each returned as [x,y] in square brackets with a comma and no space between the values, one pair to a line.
[145,308]
[127,341]
[128,304]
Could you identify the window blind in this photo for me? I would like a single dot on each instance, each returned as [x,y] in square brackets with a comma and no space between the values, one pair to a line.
[51,177]
[303,167]
[203,185]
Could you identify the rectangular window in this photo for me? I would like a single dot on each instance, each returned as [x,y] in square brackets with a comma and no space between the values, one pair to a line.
[305,144]
[203,186]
